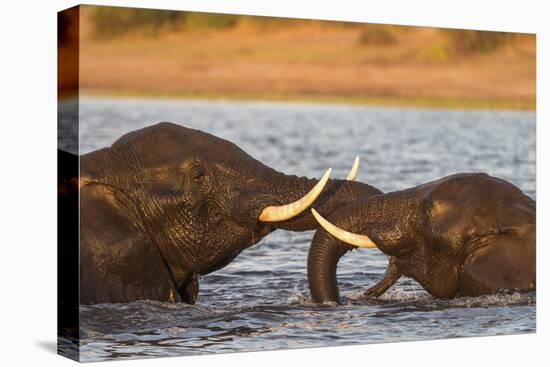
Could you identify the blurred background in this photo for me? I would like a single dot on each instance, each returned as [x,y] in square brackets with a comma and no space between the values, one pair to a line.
[146,52]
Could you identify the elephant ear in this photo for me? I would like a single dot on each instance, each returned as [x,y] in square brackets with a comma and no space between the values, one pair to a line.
[118,263]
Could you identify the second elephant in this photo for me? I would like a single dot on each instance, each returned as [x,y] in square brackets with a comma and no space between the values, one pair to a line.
[462,235]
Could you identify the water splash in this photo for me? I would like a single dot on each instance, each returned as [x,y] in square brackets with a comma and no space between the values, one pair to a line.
[298,297]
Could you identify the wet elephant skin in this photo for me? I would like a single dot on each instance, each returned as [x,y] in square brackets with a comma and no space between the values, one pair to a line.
[463,235]
[166,203]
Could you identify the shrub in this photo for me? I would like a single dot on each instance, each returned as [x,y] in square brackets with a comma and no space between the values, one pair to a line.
[469,41]
[112,21]
[207,20]
[376,35]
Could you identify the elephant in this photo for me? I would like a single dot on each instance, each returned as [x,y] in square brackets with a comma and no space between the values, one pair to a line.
[167,203]
[467,234]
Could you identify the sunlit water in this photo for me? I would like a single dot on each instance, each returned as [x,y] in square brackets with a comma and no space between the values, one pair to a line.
[261,300]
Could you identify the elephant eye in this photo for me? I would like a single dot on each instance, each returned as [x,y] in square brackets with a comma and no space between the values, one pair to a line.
[199,179]
[197,174]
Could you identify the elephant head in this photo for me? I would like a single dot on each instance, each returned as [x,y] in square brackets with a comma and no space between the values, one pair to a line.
[202,200]
[462,235]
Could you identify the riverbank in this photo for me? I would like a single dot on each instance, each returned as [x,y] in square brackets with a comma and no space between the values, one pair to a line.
[313,62]
[461,103]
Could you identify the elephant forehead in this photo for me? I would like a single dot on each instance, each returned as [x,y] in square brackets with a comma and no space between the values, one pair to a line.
[168,143]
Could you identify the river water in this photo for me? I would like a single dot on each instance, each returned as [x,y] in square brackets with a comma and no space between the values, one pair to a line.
[261,300]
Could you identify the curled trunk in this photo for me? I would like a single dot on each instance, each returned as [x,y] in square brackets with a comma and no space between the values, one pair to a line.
[322,262]
[386,219]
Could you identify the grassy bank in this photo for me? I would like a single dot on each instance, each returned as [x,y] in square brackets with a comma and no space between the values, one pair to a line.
[434,102]
[193,55]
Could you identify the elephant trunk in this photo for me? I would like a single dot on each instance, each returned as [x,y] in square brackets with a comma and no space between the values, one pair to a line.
[386,221]
[324,254]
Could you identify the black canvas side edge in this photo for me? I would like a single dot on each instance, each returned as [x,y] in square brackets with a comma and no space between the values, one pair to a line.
[68,35]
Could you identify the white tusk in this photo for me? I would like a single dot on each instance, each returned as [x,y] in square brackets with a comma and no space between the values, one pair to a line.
[353,172]
[284,212]
[359,240]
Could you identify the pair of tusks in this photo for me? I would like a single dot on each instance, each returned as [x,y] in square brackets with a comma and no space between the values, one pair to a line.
[288,211]
[354,239]
[284,212]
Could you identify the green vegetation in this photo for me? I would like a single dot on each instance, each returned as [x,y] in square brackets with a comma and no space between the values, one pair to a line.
[398,101]
[376,35]
[207,20]
[467,41]
[112,21]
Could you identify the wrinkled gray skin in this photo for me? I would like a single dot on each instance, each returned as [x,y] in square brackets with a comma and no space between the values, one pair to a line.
[462,235]
[166,203]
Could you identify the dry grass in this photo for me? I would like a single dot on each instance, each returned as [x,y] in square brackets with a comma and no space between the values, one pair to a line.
[311,61]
